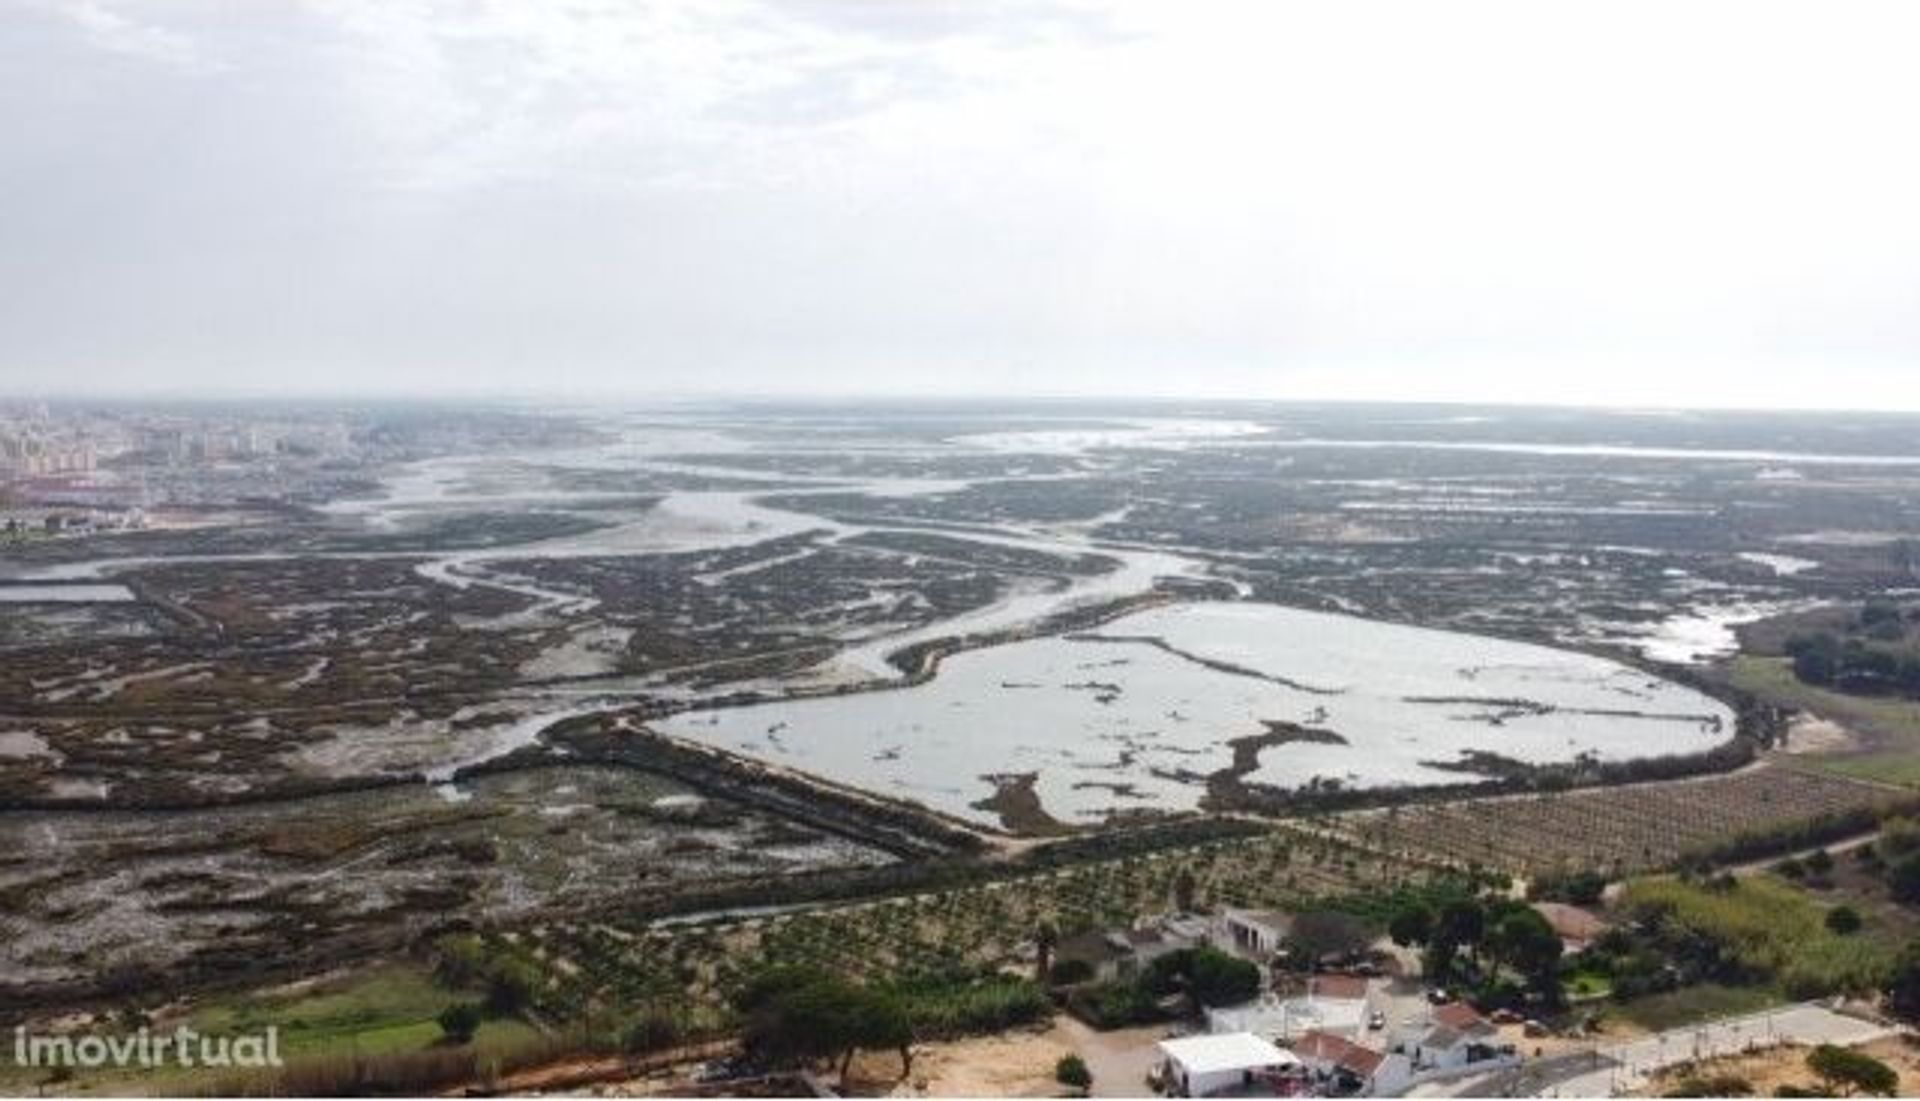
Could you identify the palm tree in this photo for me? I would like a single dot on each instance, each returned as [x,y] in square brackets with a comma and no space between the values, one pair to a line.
[1045,939]
[1184,887]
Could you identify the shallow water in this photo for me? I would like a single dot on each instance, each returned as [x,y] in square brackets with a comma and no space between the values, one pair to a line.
[1111,720]
[65,594]
[1610,451]
[1704,633]
[1783,565]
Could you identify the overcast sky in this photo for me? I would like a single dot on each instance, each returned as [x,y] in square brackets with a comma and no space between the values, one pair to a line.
[1660,203]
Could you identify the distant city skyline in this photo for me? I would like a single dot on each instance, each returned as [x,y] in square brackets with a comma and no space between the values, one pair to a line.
[1704,205]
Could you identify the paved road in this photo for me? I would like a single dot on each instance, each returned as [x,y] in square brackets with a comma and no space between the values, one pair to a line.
[1608,1071]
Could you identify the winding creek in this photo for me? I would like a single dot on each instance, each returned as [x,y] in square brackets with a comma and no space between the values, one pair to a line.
[1134,714]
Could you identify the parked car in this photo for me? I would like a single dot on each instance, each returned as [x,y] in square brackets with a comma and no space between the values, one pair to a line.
[1376,1020]
[723,1070]
[1438,996]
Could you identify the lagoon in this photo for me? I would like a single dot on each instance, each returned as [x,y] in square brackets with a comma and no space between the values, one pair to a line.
[1137,713]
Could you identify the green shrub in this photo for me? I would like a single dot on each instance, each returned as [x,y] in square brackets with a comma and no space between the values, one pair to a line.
[1578,888]
[1903,878]
[459,1021]
[460,961]
[1843,1069]
[1712,1085]
[1071,1071]
[1760,928]
[1899,836]
[1115,1004]
[651,1032]
[510,986]
[1070,973]
[959,1003]
[1903,982]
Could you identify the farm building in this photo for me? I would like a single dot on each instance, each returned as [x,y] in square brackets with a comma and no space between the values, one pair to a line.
[1123,952]
[1097,950]
[1256,933]
[1234,1062]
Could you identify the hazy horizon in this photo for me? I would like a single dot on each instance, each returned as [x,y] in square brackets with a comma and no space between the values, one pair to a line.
[1623,205]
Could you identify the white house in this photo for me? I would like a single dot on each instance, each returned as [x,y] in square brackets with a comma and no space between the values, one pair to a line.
[1455,1036]
[1205,1066]
[1344,1068]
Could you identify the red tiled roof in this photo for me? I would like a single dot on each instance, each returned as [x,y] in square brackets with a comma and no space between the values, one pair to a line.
[1325,1047]
[1460,1017]
[1571,922]
[1348,987]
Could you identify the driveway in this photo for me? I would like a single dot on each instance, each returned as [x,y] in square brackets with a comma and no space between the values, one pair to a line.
[1402,1001]
[1118,1060]
[1605,1072]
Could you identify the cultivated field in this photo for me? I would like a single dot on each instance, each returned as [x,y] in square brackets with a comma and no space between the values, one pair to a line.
[686,968]
[1620,830]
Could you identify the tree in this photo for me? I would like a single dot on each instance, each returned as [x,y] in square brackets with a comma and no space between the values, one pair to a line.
[1845,1071]
[1071,1071]
[1903,879]
[1217,979]
[1879,612]
[1411,925]
[1844,920]
[1900,836]
[1319,934]
[460,961]
[1816,657]
[1211,976]
[510,986]
[1460,924]
[796,1015]
[459,1021]
[881,1023]
[1903,983]
[793,1014]
[1522,939]
[1046,938]
[1184,888]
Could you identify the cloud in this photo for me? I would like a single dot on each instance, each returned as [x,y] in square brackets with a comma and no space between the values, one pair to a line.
[1274,200]
[115,32]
